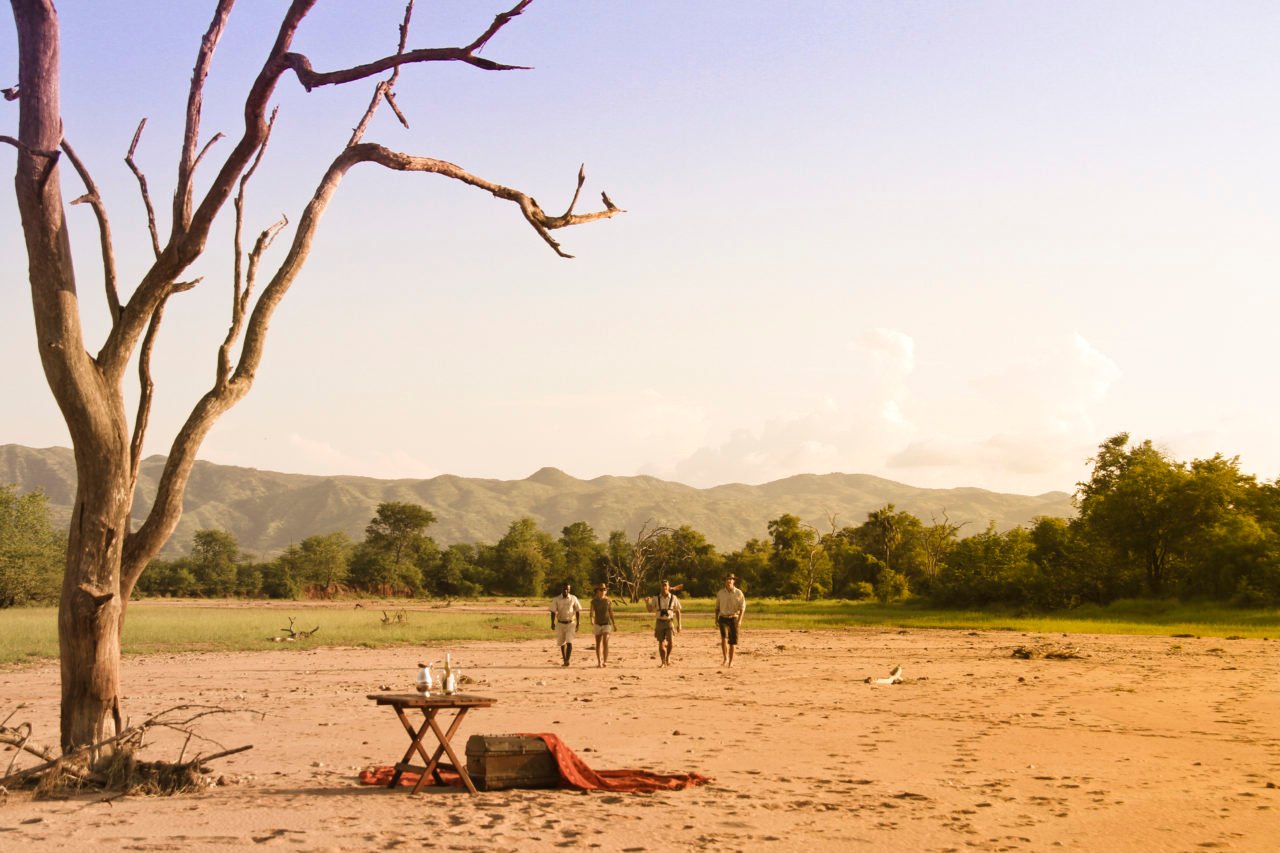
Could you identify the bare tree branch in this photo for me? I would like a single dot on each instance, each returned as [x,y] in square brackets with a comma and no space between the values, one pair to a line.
[385,88]
[38,152]
[499,21]
[582,179]
[205,150]
[195,99]
[146,388]
[395,108]
[533,212]
[264,241]
[131,737]
[93,198]
[632,573]
[310,79]
[142,185]
[189,244]
[242,285]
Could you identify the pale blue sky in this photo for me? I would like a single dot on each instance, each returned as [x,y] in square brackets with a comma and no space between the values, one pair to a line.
[950,244]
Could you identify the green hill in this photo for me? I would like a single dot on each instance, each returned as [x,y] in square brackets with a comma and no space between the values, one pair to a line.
[266,511]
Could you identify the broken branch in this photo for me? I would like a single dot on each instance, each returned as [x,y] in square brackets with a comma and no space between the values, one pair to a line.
[93,198]
[142,185]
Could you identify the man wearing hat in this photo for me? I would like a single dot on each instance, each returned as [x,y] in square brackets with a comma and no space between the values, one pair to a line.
[602,624]
[731,604]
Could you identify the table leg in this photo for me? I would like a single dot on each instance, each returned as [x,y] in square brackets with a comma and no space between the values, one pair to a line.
[433,763]
[415,743]
[445,738]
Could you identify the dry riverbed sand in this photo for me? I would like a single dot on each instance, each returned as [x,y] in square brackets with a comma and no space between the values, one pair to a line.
[1142,743]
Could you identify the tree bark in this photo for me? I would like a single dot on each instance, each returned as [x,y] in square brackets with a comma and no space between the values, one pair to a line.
[89,610]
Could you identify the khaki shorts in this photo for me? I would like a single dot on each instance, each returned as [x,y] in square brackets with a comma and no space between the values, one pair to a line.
[564,633]
[665,630]
[601,629]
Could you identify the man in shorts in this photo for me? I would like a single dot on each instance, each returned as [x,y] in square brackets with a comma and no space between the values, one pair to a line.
[667,606]
[565,610]
[731,605]
[602,624]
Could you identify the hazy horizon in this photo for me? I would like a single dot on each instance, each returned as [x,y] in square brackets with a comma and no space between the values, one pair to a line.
[552,468]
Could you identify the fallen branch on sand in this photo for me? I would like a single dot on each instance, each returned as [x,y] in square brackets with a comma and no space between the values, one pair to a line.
[1046,652]
[120,769]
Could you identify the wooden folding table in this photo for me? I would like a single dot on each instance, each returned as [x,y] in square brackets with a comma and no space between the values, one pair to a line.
[431,705]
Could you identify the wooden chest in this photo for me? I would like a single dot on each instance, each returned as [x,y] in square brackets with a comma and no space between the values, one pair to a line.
[510,761]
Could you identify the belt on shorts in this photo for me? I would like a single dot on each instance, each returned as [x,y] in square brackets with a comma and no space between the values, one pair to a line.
[566,621]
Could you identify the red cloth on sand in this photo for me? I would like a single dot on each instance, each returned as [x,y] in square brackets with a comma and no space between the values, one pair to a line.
[574,773]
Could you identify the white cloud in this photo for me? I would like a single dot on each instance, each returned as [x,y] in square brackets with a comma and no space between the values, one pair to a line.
[1025,424]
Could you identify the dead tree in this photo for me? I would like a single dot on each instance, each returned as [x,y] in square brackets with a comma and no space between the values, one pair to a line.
[815,569]
[936,542]
[131,774]
[630,571]
[105,556]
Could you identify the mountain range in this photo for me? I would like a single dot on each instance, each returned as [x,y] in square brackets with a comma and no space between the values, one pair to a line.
[267,511]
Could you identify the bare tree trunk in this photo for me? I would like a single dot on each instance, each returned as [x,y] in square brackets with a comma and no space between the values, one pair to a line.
[91,610]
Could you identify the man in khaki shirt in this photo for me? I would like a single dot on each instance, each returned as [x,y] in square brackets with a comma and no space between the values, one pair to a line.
[731,605]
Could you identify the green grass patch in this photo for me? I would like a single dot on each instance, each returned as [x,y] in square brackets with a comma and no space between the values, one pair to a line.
[28,634]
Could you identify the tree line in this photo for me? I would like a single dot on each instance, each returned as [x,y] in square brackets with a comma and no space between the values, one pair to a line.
[1148,524]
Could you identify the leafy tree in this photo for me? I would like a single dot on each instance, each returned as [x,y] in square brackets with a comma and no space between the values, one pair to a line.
[278,581]
[892,537]
[751,565]
[399,530]
[891,585]
[1071,568]
[854,569]
[794,543]
[396,554]
[1148,507]
[1229,545]
[529,561]
[215,556]
[249,580]
[106,554]
[986,568]
[320,562]
[377,572]
[30,552]
[461,572]
[688,558]
[169,578]
[584,554]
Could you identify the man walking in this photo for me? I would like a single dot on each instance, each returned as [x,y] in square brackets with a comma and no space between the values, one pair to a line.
[565,610]
[667,606]
[731,605]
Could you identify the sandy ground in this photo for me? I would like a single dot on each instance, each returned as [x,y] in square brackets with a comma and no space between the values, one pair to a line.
[1142,744]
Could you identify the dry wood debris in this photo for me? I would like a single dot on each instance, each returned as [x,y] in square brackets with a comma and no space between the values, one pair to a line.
[1046,652]
[118,767]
